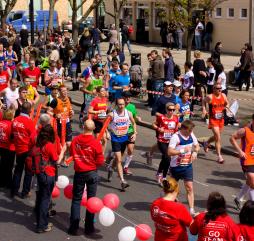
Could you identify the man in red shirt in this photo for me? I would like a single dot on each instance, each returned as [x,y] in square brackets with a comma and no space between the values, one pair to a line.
[22,128]
[88,156]
[32,72]
[4,77]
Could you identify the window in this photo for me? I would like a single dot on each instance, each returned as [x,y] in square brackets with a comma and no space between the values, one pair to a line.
[127,14]
[243,13]
[160,15]
[143,12]
[17,16]
[218,13]
[231,12]
[79,13]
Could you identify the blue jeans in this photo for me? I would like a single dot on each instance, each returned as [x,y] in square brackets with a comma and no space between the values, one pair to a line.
[198,41]
[128,45]
[157,85]
[46,184]
[91,181]
[18,171]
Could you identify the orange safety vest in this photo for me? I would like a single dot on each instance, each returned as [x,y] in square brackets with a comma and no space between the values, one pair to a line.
[63,107]
[248,147]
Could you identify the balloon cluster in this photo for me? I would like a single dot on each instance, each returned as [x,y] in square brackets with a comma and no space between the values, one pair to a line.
[105,209]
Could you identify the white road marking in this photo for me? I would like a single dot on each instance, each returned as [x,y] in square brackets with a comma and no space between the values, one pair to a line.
[243,200]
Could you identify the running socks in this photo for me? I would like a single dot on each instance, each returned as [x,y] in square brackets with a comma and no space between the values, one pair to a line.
[244,190]
[127,160]
[251,194]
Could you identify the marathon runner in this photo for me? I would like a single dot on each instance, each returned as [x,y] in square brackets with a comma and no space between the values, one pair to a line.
[183,149]
[32,72]
[10,94]
[217,103]
[119,125]
[246,154]
[165,126]
[32,94]
[184,106]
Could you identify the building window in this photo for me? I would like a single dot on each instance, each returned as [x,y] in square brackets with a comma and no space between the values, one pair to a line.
[243,13]
[127,14]
[143,12]
[160,15]
[79,13]
[231,12]
[218,13]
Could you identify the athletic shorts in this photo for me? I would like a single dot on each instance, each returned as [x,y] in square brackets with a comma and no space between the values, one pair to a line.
[68,136]
[98,126]
[118,146]
[249,168]
[129,139]
[216,123]
[182,173]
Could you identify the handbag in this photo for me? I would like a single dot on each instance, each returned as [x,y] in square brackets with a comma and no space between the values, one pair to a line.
[103,36]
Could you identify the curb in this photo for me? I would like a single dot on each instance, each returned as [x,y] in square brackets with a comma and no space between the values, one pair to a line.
[149,126]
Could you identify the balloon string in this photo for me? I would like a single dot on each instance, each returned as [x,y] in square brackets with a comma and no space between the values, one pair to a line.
[126,219]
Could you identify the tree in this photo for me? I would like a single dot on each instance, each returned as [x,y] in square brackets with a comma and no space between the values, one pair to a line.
[5,7]
[51,13]
[75,22]
[183,11]
[118,6]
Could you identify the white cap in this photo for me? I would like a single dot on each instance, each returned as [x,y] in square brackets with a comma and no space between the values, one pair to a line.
[177,83]
[23,26]
[168,83]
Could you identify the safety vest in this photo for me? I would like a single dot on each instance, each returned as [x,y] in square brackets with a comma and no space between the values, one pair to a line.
[248,147]
[217,107]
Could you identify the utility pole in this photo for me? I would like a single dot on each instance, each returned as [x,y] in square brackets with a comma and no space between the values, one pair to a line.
[31,15]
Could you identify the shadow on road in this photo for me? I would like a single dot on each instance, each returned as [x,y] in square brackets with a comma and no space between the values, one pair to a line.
[225,182]
[137,206]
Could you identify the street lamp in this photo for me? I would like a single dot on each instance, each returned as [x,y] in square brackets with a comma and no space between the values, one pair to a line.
[31,15]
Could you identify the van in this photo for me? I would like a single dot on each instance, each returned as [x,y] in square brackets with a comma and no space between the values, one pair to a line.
[21,17]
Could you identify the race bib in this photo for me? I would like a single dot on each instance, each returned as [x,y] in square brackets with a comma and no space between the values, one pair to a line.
[66,120]
[2,80]
[73,67]
[186,115]
[218,115]
[252,150]
[167,135]
[102,115]
[184,159]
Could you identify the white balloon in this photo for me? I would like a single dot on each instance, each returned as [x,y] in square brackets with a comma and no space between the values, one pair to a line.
[106,217]
[62,182]
[127,234]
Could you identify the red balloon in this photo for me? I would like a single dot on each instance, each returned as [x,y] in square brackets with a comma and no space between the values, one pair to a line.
[84,200]
[111,201]
[94,205]
[68,191]
[143,232]
[56,192]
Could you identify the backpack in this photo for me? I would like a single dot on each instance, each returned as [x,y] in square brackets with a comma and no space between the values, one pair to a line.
[34,161]
[130,29]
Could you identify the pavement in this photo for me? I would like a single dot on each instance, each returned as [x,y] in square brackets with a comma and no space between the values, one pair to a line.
[17,221]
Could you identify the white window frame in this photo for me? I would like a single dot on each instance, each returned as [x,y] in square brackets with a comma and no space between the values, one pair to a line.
[145,6]
[164,8]
[215,13]
[230,17]
[240,14]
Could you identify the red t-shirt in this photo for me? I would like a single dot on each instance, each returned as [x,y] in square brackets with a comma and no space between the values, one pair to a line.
[5,135]
[22,128]
[87,153]
[223,228]
[4,79]
[247,232]
[49,153]
[34,75]
[169,125]
[99,104]
[170,219]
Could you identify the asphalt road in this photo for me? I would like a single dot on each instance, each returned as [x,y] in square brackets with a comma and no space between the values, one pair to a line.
[18,221]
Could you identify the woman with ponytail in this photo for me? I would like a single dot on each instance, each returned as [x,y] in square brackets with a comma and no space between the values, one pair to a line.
[170,217]
[215,224]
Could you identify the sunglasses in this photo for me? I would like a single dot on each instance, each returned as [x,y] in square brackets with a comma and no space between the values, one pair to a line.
[218,88]
[171,109]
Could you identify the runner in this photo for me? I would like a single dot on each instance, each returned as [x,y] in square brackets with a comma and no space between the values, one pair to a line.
[32,94]
[21,100]
[165,125]
[217,103]
[183,149]
[184,106]
[98,108]
[246,154]
[10,94]
[4,77]
[120,121]
[51,78]
[50,101]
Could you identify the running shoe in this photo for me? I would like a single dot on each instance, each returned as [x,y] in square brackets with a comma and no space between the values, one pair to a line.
[47,229]
[206,146]
[193,213]
[237,203]
[110,173]
[220,160]
[124,185]
[126,171]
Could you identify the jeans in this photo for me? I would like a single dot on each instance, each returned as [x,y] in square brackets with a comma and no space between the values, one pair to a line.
[91,181]
[208,40]
[198,41]
[179,40]
[109,48]
[128,45]
[157,85]
[20,162]
[6,165]
[98,47]
[165,159]
[244,78]
[45,184]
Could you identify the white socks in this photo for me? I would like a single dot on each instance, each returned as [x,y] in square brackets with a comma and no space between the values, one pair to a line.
[244,190]
[251,194]
[127,160]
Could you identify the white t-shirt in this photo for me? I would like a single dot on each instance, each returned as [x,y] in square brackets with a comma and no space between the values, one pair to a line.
[182,159]
[186,80]
[211,71]
[11,96]
[199,28]
[223,78]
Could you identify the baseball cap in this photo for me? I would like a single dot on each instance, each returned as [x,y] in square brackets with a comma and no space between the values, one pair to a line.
[177,83]
[167,83]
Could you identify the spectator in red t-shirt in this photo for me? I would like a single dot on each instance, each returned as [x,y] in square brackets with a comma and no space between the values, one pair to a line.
[7,149]
[88,156]
[215,223]
[22,128]
[170,217]
[32,72]
[246,225]
[4,77]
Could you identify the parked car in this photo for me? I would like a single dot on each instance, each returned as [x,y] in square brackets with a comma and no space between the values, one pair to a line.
[67,25]
[41,19]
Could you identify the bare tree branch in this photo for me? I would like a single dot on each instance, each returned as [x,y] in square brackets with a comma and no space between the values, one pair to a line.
[109,13]
[81,4]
